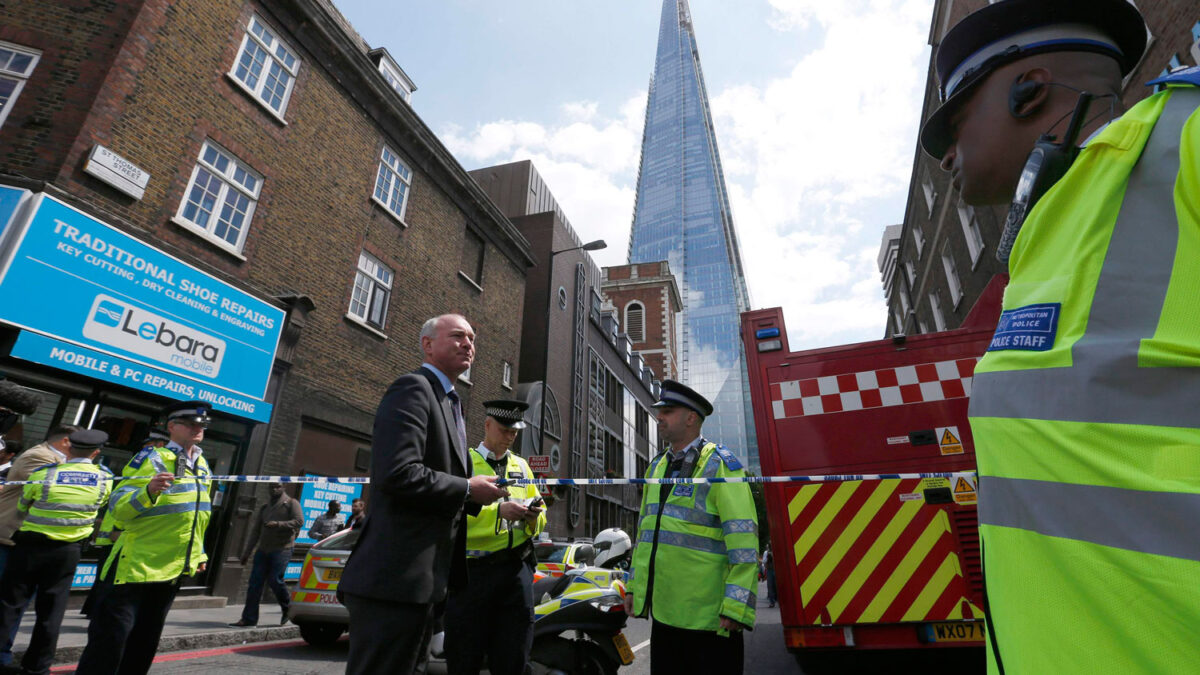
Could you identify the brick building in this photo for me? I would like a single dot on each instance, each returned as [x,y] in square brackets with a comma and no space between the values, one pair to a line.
[250,175]
[946,250]
[598,420]
[646,298]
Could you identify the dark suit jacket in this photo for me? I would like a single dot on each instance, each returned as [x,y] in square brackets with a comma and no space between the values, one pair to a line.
[414,544]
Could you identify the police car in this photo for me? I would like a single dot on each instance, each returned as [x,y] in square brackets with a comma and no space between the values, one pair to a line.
[557,557]
[315,607]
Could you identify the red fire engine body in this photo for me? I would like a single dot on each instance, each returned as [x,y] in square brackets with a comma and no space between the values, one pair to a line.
[872,564]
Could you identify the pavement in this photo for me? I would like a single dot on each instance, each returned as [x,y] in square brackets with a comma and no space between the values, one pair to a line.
[187,628]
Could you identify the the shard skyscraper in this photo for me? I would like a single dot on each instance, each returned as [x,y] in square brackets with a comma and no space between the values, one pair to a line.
[682,215]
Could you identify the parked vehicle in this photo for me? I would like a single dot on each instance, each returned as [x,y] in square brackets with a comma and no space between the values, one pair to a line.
[579,615]
[872,564]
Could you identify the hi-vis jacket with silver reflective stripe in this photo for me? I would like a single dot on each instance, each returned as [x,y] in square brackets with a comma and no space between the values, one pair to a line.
[163,536]
[701,547]
[110,529]
[487,532]
[64,504]
[1089,451]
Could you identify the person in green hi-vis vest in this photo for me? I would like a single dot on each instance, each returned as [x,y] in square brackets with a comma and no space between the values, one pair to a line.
[695,565]
[1083,409]
[59,507]
[492,617]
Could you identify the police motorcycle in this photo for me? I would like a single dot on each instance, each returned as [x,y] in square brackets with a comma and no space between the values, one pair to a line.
[578,617]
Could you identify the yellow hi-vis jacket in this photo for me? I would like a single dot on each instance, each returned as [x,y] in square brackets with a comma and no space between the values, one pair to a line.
[488,533]
[1086,412]
[163,536]
[64,503]
[697,552]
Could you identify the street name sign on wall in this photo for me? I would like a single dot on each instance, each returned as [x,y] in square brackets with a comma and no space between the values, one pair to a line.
[96,301]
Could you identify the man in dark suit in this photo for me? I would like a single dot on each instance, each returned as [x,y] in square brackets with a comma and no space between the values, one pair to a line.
[413,547]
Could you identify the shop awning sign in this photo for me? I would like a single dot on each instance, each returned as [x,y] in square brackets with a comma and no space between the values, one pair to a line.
[156,322]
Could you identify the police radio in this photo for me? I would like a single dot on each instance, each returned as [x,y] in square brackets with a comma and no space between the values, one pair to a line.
[1048,162]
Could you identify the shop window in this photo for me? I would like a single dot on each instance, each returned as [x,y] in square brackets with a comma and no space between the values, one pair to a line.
[392,183]
[372,291]
[266,67]
[220,198]
[16,65]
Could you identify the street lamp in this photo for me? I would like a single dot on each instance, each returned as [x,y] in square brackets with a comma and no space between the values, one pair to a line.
[590,246]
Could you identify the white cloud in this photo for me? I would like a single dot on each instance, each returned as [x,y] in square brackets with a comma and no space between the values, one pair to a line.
[589,163]
[811,156]
[811,159]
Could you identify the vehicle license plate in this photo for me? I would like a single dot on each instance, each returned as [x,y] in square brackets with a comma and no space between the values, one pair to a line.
[954,631]
[623,648]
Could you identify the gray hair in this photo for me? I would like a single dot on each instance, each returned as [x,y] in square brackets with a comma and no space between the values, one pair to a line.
[429,329]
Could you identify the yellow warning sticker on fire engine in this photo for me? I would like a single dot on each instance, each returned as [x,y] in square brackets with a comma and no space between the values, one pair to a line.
[948,440]
[964,490]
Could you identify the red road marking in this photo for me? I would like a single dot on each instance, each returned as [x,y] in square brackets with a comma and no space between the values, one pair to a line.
[199,654]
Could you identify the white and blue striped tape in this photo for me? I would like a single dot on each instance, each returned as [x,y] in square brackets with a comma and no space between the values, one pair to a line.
[578,481]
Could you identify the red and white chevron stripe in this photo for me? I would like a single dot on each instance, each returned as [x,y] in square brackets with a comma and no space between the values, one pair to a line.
[873,389]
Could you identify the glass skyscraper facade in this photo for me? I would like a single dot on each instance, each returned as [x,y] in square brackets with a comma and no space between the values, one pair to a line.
[682,215]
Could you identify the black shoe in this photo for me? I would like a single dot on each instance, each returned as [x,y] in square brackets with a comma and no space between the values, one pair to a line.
[283,619]
[241,623]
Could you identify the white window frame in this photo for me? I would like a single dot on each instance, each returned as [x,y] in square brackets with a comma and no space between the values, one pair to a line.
[395,79]
[930,191]
[506,375]
[393,176]
[935,305]
[922,326]
[971,232]
[285,60]
[17,75]
[208,163]
[371,276]
[952,279]
[918,239]
[898,320]
[911,271]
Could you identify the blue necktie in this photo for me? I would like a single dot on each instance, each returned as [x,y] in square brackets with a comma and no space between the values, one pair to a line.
[460,424]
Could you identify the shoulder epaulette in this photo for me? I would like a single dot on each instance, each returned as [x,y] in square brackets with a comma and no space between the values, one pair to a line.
[44,467]
[1179,76]
[140,458]
[728,457]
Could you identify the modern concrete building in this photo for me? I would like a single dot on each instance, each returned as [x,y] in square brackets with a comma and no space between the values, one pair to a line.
[595,407]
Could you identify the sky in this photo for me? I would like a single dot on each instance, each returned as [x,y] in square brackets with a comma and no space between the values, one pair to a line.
[816,105]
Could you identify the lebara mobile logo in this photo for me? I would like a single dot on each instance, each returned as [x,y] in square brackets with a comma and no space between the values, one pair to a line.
[132,329]
[109,314]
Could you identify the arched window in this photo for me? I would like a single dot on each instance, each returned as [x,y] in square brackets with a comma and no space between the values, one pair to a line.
[635,322]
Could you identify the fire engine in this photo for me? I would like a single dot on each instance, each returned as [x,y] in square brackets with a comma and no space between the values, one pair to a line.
[872,564]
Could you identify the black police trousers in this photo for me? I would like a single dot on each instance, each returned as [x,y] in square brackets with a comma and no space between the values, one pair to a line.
[125,627]
[44,566]
[492,617]
[681,651]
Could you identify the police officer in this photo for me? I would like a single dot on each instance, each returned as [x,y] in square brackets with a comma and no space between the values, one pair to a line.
[110,530]
[493,615]
[59,513]
[695,565]
[164,508]
[1083,409]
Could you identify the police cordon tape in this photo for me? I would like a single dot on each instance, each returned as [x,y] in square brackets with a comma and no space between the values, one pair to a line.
[568,481]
